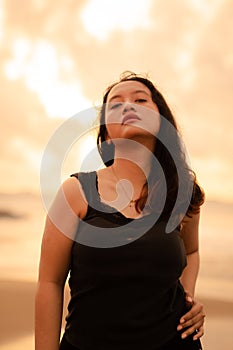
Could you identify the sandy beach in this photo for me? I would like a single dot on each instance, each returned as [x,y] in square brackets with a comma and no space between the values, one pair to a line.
[19,255]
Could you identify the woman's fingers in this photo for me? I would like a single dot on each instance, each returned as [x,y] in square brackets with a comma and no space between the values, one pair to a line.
[197,328]
[199,333]
[193,321]
[196,310]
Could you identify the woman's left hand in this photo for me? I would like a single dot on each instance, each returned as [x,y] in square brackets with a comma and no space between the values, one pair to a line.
[193,320]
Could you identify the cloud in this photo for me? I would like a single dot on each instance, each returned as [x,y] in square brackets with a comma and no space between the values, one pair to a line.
[186,49]
[102,17]
[209,100]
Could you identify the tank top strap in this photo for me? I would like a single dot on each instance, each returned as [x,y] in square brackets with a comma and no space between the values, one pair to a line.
[88,181]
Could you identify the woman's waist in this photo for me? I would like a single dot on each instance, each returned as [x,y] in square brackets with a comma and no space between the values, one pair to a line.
[136,305]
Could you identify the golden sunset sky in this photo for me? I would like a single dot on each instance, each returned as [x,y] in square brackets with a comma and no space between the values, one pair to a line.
[57,58]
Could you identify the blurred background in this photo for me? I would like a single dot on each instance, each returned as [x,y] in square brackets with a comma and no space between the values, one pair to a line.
[56,59]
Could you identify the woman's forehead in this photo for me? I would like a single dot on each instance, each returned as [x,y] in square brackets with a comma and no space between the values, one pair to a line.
[128,87]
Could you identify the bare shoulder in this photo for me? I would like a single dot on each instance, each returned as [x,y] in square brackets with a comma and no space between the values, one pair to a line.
[71,190]
[68,207]
[62,221]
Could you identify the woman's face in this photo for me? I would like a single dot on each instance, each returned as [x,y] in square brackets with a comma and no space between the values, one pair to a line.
[130,111]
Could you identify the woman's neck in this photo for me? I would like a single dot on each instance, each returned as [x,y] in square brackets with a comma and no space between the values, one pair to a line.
[132,160]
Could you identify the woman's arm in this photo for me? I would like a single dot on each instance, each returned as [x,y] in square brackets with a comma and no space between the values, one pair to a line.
[54,266]
[189,233]
[190,273]
[193,320]
[61,225]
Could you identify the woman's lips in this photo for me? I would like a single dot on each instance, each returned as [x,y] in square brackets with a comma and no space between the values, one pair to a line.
[130,117]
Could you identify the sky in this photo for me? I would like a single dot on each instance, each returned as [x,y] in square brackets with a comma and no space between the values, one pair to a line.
[58,57]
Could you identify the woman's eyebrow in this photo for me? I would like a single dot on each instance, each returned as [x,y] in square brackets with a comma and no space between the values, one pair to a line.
[133,93]
[142,91]
[114,97]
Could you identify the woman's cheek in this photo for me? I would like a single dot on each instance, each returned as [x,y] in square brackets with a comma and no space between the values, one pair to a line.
[152,122]
[113,124]
[112,117]
[156,125]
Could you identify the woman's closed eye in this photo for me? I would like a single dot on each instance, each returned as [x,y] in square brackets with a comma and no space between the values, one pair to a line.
[140,100]
[115,105]
[119,104]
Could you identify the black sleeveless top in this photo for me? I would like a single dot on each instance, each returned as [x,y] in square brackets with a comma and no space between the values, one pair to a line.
[125,292]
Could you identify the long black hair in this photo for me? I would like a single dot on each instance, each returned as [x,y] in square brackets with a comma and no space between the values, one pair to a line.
[170,164]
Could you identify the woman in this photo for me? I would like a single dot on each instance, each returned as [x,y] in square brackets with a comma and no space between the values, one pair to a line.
[132,283]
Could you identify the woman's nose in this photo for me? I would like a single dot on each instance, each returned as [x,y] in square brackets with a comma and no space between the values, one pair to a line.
[128,106]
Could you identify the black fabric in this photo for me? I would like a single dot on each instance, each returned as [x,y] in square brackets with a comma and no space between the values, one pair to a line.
[175,344]
[126,297]
[65,345]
